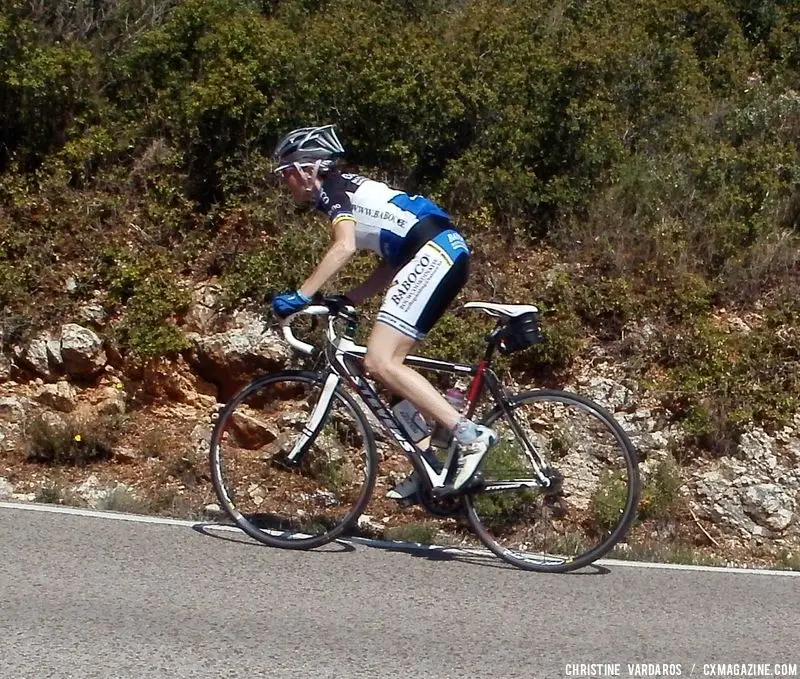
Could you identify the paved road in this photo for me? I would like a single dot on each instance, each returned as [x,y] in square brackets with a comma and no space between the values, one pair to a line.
[88,597]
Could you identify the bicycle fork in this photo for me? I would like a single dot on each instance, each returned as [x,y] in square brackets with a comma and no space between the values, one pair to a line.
[319,413]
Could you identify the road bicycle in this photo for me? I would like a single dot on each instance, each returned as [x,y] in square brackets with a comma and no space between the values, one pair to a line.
[295,454]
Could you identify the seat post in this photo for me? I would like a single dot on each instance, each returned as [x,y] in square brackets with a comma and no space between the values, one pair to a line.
[490,349]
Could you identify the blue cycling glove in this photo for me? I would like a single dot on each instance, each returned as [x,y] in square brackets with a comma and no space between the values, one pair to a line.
[288,303]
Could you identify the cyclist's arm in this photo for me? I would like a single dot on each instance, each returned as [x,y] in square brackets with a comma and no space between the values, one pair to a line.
[377,282]
[343,248]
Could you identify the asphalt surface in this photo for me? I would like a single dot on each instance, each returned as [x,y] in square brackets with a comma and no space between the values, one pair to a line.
[89,597]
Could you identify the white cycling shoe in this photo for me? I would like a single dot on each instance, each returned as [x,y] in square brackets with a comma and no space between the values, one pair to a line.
[470,455]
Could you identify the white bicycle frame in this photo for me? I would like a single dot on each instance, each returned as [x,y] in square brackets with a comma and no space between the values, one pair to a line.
[342,347]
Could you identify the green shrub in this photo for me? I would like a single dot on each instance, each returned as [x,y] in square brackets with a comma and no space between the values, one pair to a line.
[506,461]
[609,500]
[564,338]
[660,494]
[719,380]
[57,493]
[789,560]
[44,89]
[282,263]
[660,490]
[148,326]
[418,533]
[456,338]
[70,441]
[155,443]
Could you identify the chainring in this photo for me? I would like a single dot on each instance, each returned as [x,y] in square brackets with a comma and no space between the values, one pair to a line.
[441,506]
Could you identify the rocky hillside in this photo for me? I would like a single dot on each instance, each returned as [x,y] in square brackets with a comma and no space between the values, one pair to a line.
[79,426]
[630,167]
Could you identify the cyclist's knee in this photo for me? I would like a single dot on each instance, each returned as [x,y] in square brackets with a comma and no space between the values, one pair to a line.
[379,365]
[373,364]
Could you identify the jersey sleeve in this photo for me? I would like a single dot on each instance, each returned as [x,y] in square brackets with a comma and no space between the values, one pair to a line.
[333,199]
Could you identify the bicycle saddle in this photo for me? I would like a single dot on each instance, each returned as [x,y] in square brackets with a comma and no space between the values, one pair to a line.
[509,310]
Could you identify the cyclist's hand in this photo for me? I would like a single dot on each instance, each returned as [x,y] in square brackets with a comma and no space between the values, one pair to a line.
[336,303]
[288,303]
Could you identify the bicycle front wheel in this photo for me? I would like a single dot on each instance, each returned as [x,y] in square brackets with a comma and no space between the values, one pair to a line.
[594,492]
[293,461]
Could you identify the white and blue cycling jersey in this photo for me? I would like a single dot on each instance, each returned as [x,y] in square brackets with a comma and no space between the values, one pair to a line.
[388,222]
[414,235]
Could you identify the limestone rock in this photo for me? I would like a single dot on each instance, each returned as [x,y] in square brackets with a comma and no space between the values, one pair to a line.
[250,431]
[5,366]
[60,396]
[6,488]
[93,314]
[110,401]
[231,359]
[609,393]
[82,351]
[768,505]
[13,413]
[203,316]
[174,380]
[41,356]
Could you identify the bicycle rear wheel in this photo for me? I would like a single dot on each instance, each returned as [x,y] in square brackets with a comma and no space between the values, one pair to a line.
[595,490]
[301,500]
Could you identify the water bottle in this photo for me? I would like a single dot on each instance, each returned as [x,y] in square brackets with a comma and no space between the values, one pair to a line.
[411,420]
[442,436]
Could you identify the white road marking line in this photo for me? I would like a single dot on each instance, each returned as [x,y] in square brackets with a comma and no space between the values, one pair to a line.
[140,518]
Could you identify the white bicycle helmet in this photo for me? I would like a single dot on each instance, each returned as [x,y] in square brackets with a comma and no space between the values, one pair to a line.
[308,146]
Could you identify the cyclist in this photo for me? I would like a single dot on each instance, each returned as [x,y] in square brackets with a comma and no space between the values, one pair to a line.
[424,263]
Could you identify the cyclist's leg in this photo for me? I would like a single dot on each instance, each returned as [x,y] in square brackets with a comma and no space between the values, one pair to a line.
[387,348]
[417,298]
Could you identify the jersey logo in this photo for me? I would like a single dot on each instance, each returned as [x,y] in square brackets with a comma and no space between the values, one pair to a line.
[356,179]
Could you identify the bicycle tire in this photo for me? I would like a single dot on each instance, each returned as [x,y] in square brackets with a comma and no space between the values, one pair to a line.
[627,512]
[252,523]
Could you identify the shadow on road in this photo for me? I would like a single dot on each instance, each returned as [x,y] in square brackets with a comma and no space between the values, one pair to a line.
[231,533]
[440,553]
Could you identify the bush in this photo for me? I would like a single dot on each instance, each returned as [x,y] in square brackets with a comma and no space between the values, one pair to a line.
[660,493]
[418,533]
[282,262]
[660,490]
[122,499]
[148,327]
[649,147]
[456,338]
[609,500]
[57,493]
[71,441]
[719,380]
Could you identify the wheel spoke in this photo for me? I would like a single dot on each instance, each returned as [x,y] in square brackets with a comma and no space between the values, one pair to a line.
[285,482]
[593,491]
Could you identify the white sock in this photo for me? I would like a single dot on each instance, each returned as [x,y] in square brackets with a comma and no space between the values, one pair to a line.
[466,431]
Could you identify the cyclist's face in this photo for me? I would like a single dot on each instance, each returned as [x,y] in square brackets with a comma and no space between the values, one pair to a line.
[297,186]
